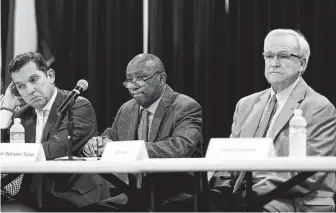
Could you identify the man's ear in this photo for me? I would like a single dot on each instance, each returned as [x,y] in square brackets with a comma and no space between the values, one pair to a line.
[303,63]
[51,75]
[162,78]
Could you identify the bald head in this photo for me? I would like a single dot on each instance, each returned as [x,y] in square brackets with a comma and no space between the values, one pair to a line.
[148,60]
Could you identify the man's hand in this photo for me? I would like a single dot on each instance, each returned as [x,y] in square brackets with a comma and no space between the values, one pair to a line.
[95,146]
[10,100]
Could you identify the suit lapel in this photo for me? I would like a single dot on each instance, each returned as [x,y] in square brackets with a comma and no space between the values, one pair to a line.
[52,114]
[252,122]
[160,112]
[30,125]
[133,122]
[291,104]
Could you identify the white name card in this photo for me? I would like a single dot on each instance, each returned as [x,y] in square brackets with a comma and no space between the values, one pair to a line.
[21,152]
[240,149]
[125,151]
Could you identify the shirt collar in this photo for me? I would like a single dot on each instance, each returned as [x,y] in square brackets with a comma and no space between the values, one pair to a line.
[50,103]
[152,108]
[284,94]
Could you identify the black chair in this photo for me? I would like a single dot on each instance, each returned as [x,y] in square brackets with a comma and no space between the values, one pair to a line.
[191,195]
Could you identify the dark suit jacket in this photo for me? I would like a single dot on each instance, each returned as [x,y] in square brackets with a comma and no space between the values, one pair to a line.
[320,115]
[176,132]
[88,188]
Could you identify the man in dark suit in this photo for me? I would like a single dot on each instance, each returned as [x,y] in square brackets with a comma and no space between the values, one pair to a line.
[267,114]
[34,89]
[170,123]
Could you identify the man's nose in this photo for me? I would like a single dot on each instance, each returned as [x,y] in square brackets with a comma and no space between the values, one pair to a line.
[30,89]
[275,62]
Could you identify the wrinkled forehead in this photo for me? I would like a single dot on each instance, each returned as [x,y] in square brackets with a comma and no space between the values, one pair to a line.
[281,42]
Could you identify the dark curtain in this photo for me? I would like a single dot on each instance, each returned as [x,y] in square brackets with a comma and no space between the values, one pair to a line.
[215,57]
[7,40]
[92,40]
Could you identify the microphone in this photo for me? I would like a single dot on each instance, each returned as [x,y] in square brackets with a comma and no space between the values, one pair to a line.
[81,86]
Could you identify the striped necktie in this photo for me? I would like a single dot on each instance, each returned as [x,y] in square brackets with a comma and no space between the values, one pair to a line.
[260,133]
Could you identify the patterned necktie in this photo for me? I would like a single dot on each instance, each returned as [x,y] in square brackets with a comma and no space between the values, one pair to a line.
[143,126]
[266,119]
[12,188]
[142,135]
[260,133]
[42,116]
[40,121]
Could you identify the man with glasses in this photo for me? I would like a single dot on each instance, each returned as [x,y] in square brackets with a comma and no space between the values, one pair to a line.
[170,124]
[267,114]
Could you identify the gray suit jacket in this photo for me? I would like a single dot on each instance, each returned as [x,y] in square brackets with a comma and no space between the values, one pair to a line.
[176,132]
[176,129]
[320,115]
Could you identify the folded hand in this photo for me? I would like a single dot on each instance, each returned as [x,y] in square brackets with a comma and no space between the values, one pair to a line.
[95,146]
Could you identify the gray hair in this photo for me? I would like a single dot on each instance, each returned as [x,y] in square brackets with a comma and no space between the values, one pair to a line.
[300,39]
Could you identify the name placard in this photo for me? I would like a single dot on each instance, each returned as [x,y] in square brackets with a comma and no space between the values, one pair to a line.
[21,152]
[240,149]
[125,151]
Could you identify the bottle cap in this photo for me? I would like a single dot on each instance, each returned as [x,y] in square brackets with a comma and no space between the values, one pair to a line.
[17,120]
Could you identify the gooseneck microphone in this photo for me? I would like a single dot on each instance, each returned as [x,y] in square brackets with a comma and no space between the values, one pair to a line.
[81,86]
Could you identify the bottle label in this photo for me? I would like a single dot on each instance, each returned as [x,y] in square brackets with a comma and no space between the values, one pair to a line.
[297,142]
[17,137]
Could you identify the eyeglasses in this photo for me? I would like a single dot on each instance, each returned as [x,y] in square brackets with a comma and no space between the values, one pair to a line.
[281,56]
[138,82]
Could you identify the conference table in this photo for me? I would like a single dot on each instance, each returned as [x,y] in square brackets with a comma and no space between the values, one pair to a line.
[306,166]
[323,164]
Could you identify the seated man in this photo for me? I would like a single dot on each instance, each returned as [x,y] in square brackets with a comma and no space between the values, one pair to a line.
[267,114]
[34,89]
[170,123]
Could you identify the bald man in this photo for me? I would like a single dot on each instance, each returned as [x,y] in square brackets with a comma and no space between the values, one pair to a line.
[170,124]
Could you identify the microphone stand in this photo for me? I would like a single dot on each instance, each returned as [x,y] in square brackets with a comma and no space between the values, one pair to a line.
[70,128]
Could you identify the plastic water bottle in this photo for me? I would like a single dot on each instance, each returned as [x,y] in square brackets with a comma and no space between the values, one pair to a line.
[17,132]
[297,135]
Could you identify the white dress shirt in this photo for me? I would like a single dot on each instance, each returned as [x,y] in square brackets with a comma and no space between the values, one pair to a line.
[152,109]
[42,117]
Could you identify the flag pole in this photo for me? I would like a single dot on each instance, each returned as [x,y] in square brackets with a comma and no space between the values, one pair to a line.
[145,26]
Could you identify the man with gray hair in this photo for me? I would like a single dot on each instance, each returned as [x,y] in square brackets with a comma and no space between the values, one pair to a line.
[267,114]
[170,123]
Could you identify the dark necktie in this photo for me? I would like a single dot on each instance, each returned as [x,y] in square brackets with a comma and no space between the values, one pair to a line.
[142,135]
[143,126]
[260,133]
